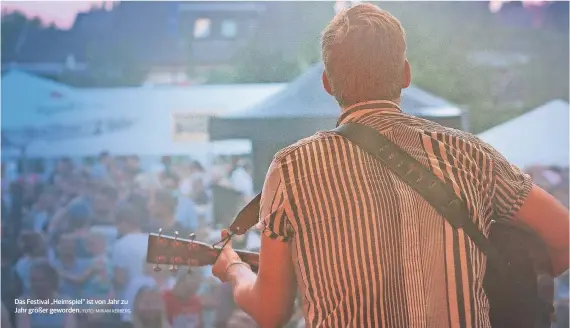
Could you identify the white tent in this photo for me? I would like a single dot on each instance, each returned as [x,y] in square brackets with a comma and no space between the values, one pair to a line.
[539,137]
[54,120]
[148,134]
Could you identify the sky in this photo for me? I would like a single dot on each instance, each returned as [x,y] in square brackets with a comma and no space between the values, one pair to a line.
[61,13]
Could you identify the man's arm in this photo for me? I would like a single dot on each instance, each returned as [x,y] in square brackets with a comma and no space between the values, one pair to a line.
[515,197]
[545,215]
[269,296]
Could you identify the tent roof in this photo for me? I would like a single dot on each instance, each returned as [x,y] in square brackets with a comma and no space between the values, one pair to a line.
[28,98]
[305,97]
[539,137]
[150,135]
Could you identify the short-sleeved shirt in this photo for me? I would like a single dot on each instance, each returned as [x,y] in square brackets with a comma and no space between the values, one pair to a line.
[368,250]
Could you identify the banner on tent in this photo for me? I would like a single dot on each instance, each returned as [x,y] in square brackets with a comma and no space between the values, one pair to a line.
[190,127]
[67,131]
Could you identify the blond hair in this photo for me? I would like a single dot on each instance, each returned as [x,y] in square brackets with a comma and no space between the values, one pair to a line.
[364,52]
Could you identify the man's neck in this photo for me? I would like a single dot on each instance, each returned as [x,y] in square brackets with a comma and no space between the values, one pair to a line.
[381,104]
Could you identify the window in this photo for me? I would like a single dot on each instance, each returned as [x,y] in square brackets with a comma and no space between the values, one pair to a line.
[229,29]
[202,28]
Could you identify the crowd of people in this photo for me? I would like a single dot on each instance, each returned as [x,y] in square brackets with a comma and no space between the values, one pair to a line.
[81,232]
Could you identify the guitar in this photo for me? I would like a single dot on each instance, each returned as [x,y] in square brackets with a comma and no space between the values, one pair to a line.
[176,252]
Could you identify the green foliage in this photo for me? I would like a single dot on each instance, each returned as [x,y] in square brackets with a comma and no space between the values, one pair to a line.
[442,35]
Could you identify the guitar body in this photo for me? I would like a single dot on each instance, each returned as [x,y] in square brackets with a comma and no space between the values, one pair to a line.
[525,298]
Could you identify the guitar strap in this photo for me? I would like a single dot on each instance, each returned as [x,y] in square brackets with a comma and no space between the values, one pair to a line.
[247,217]
[436,192]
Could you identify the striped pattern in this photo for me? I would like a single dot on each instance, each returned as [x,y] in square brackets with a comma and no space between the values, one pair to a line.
[369,251]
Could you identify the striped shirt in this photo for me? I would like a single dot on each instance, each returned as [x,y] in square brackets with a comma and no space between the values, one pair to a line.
[371,252]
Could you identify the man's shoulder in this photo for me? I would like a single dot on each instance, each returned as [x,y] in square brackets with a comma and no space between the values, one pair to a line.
[305,145]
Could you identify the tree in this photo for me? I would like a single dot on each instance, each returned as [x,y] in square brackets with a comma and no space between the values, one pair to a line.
[286,42]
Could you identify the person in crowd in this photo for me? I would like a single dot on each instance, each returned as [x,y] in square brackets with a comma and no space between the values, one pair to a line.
[97,278]
[241,178]
[16,210]
[561,301]
[42,211]
[63,169]
[68,264]
[148,309]
[11,283]
[225,306]
[195,183]
[163,278]
[104,205]
[33,247]
[186,213]
[104,201]
[44,286]
[130,250]
[129,295]
[162,208]
[78,223]
[6,322]
[169,180]
[184,308]
[132,167]
[100,169]
[240,319]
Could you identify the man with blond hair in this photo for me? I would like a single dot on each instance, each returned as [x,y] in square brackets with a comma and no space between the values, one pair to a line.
[361,246]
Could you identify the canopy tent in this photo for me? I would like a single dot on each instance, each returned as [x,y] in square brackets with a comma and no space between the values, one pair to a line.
[539,137]
[302,109]
[150,133]
[27,98]
[49,119]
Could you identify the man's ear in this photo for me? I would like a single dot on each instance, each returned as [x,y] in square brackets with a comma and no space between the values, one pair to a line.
[407,78]
[326,83]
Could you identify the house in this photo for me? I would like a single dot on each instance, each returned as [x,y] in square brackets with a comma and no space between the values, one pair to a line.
[162,38]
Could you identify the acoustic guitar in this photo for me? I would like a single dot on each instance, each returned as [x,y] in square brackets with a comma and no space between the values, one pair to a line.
[175,252]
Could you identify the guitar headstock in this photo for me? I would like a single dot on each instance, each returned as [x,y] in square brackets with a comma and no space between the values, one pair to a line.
[175,251]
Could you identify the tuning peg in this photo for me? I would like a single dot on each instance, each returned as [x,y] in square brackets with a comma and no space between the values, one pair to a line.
[157,268]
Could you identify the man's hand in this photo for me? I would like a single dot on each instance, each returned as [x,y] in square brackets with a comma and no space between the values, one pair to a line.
[227,257]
